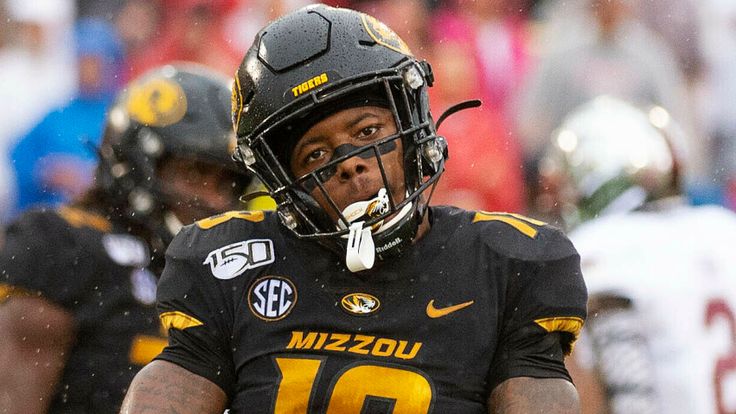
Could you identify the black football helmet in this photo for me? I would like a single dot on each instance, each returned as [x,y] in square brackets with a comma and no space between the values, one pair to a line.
[178,110]
[307,65]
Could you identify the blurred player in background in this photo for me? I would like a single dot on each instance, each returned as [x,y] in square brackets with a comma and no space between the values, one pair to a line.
[661,337]
[78,283]
[53,161]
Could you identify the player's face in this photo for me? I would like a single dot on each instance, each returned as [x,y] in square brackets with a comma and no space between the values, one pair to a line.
[197,189]
[358,178]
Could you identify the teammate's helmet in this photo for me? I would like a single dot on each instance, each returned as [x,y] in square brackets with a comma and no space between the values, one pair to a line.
[314,62]
[609,156]
[178,110]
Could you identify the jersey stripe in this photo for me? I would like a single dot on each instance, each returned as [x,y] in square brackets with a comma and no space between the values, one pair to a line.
[79,218]
[210,222]
[9,291]
[178,320]
[145,348]
[513,220]
[570,324]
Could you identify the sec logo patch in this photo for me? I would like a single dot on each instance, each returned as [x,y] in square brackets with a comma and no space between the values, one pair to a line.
[272,298]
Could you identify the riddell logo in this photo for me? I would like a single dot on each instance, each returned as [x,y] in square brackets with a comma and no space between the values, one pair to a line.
[388,245]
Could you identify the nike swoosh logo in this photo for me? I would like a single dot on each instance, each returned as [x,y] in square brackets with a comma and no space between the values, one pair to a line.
[433,312]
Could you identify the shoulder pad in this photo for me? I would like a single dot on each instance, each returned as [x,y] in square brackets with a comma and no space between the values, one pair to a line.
[224,229]
[48,226]
[229,244]
[521,237]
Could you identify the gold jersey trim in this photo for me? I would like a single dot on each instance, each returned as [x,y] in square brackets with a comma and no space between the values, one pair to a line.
[80,218]
[517,221]
[210,222]
[570,324]
[178,320]
[145,347]
[8,291]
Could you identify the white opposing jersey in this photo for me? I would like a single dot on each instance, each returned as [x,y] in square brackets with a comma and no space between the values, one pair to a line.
[679,269]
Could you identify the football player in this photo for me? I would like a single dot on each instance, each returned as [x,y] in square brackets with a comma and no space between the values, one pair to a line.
[355,296]
[78,283]
[662,333]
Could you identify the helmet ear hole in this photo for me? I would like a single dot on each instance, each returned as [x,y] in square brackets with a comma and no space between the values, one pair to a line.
[249,98]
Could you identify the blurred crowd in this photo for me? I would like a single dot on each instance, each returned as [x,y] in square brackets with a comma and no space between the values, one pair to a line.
[530,62]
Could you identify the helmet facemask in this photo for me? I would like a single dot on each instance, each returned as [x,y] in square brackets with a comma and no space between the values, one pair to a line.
[390,218]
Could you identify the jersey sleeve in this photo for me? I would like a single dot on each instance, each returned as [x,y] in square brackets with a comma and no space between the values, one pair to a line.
[544,312]
[193,307]
[41,257]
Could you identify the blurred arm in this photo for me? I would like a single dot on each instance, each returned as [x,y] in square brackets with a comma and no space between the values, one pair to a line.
[163,387]
[37,336]
[620,378]
[525,395]
[593,399]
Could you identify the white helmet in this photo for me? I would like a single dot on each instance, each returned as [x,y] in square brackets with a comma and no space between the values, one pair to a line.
[608,156]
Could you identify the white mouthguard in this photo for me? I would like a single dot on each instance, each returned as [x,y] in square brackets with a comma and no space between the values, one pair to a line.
[365,210]
[361,253]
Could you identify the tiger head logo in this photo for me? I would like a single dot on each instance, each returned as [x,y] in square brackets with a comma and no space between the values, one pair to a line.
[360,304]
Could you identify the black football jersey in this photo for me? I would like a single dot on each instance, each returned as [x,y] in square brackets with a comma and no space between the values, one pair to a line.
[283,327]
[83,263]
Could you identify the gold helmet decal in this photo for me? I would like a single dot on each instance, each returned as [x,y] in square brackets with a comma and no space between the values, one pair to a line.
[383,35]
[236,102]
[309,84]
[157,102]
[360,304]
